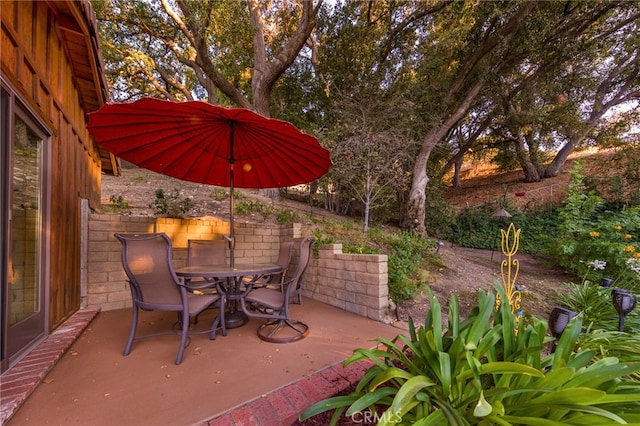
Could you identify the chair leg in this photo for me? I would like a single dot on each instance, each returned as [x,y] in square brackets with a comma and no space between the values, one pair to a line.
[219,322]
[184,334]
[268,331]
[132,330]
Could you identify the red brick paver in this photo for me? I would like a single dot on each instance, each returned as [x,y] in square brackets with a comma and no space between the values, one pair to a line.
[288,402]
[17,383]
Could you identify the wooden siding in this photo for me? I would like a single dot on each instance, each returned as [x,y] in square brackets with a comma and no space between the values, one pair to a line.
[41,45]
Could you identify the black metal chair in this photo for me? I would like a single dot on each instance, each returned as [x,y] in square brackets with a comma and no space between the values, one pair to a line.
[273,304]
[147,261]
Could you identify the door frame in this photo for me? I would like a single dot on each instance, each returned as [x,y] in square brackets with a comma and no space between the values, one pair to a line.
[13,105]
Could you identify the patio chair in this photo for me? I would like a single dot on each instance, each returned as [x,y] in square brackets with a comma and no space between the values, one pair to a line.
[147,261]
[205,252]
[273,304]
[275,280]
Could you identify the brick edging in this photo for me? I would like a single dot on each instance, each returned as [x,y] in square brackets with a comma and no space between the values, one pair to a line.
[17,383]
[283,406]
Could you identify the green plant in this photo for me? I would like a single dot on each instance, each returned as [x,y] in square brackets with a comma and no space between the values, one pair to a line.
[170,205]
[607,343]
[285,216]
[118,203]
[249,206]
[219,194]
[487,370]
[587,232]
[406,260]
[593,302]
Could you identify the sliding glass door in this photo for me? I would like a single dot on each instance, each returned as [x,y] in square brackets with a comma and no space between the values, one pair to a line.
[23,284]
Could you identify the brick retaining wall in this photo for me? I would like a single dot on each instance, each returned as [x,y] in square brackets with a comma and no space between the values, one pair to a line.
[355,283]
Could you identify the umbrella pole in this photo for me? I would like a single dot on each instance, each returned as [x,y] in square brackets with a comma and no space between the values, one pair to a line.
[232,237]
[232,234]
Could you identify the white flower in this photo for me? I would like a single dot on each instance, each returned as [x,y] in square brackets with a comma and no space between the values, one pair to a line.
[634,264]
[597,264]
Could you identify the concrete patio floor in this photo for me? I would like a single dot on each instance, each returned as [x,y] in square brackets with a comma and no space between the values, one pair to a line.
[94,384]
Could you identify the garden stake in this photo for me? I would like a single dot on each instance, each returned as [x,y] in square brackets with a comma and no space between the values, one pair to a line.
[509,269]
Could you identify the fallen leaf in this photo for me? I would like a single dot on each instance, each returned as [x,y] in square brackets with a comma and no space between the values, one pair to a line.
[47,381]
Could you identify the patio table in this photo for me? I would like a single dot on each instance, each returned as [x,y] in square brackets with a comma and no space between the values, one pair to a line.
[234,276]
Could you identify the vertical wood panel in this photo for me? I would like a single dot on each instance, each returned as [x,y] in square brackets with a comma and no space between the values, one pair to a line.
[34,56]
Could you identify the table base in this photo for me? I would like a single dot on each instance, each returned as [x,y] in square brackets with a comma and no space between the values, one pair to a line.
[235,319]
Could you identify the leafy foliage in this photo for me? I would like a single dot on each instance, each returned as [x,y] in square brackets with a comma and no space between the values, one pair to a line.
[477,228]
[594,303]
[284,216]
[488,370]
[587,232]
[254,206]
[171,205]
[118,203]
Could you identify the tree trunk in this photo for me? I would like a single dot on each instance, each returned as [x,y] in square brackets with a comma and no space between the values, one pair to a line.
[415,209]
[457,165]
[555,167]
[529,169]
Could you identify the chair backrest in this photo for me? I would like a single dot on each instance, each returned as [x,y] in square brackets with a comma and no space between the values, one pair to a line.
[146,259]
[206,252]
[284,258]
[304,257]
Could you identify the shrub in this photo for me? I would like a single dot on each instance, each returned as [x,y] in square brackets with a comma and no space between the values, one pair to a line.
[219,194]
[587,232]
[170,205]
[286,216]
[249,206]
[118,203]
[487,370]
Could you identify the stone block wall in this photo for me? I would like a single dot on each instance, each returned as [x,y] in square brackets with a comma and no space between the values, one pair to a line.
[355,283]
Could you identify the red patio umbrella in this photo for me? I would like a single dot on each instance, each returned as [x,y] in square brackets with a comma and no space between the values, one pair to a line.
[209,144]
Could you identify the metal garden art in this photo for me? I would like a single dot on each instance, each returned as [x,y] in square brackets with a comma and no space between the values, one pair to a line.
[509,268]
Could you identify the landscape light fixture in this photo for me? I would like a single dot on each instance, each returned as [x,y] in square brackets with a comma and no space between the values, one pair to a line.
[498,213]
[606,282]
[558,321]
[624,302]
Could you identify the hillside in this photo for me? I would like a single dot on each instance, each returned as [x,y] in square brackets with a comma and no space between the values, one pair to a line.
[136,188]
[484,184]
[466,270]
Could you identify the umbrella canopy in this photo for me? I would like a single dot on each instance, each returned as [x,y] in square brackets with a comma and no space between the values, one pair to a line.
[209,144]
[199,142]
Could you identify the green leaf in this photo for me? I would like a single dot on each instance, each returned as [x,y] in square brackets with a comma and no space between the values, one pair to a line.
[389,374]
[573,396]
[598,373]
[502,367]
[483,321]
[567,343]
[556,378]
[407,393]
[445,373]
[369,399]
[454,315]
[328,404]
[534,421]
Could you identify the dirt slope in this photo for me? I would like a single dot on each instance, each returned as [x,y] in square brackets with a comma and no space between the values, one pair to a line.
[466,271]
